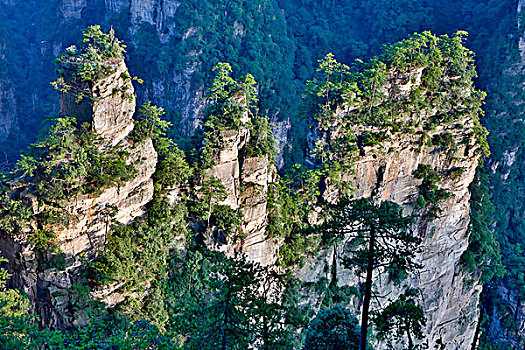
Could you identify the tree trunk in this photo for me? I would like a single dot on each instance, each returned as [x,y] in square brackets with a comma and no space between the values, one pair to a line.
[368,290]
[410,341]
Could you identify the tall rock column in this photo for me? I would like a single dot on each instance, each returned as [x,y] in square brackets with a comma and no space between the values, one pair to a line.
[415,139]
[107,105]
[245,179]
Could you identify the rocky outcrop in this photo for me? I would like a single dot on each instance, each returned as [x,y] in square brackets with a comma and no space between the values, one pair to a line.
[507,324]
[245,180]
[108,104]
[90,215]
[8,104]
[385,171]
[182,89]
[281,136]
[154,12]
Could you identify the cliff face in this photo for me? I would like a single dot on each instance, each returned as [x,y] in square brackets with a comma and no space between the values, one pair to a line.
[173,25]
[183,96]
[72,9]
[110,117]
[8,109]
[386,170]
[154,12]
[449,295]
[383,170]
[246,180]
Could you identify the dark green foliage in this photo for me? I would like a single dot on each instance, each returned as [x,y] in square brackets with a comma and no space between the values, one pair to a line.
[446,64]
[43,240]
[222,303]
[506,187]
[262,143]
[149,124]
[15,321]
[67,162]
[230,107]
[445,140]
[14,215]
[483,254]
[19,329]
[98,335]
[172,168]
[378,236]
[343,100]
[357,218]
[332,329]
[284,53]
[289,204]
[216,219]
[229,102]
[401,322]
[251,36]
[429,192]
[137,255]
[91,61]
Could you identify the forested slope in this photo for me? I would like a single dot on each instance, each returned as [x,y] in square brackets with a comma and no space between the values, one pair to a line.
[173,46]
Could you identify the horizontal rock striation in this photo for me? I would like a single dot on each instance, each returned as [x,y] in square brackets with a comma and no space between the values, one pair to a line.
[245,180]
[386,171]
[89,215]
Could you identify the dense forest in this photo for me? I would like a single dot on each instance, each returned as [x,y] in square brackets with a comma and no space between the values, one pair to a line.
[275,50]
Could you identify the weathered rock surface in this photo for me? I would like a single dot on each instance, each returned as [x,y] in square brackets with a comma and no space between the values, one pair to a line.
[72,9]
[108,104]
[8,104]
[281,136]
[154,12]
[245,180]
[507,324]
[90,215]
[384,172]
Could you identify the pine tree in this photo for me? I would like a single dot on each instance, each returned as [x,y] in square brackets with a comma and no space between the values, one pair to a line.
[224,303]
[402,321]
[333,328]
[378,237]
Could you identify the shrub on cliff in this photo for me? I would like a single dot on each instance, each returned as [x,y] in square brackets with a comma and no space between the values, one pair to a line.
[92,58]
[332,329]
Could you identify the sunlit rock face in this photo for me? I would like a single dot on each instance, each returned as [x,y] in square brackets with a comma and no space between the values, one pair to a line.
[246,181]
[108,106]
[385,171]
